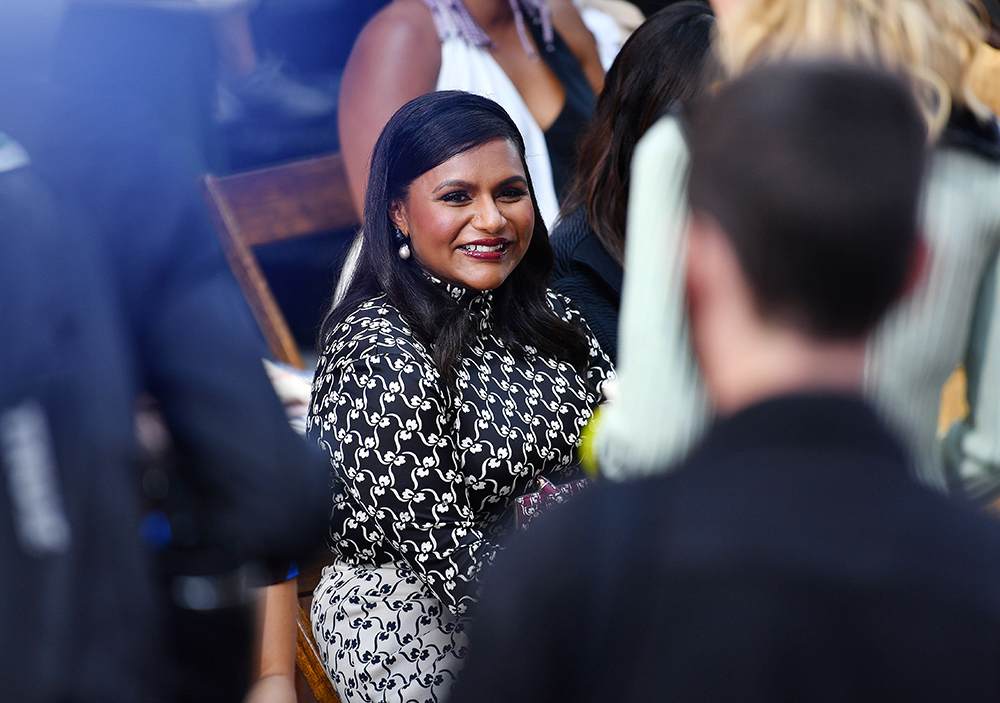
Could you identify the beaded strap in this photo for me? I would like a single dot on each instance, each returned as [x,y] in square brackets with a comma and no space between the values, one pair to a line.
[469,30]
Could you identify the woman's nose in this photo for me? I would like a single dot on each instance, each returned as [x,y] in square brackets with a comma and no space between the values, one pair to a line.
[488,217]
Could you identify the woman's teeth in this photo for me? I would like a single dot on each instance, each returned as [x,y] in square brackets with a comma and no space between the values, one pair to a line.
[483,247]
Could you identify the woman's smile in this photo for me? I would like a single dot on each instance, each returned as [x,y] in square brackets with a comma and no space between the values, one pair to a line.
[469,220]
[486,249]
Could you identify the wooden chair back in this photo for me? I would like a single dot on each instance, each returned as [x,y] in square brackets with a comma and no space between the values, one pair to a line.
[249,209]
[304,197]
[310,664]
[307,656]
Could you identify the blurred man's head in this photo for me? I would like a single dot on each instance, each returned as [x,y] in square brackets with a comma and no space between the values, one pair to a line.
[804,186]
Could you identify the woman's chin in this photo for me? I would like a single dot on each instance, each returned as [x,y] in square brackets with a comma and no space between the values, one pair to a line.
[480,281]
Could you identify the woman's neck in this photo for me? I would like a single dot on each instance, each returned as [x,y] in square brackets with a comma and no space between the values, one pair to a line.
[490,14]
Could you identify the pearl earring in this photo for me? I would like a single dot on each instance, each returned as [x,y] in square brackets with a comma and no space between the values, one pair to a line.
[404,246]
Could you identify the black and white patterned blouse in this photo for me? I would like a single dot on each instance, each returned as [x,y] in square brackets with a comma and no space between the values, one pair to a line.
[423,477]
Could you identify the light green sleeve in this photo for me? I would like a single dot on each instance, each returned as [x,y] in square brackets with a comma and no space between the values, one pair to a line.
[972,446]
[951,317]
[661,409]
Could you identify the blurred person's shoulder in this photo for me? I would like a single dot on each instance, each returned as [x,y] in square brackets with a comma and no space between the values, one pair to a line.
[404,23]
[398,50]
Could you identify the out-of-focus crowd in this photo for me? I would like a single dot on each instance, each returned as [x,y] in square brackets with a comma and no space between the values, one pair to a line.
[628,385]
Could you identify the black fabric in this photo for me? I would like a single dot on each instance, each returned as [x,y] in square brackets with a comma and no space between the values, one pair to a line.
[588,275]
[115,285]
[966,131]
[426,477]
[648,7]
[790,558]
[563,136]
[52,605]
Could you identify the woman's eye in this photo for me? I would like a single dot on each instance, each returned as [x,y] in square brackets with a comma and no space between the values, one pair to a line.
[513,193]
[456,196]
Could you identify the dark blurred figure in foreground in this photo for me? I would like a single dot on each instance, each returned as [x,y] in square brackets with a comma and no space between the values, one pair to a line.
[791,557]
[112,287]
[147,71]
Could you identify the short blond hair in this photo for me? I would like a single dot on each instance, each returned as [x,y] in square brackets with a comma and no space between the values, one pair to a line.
[932,42]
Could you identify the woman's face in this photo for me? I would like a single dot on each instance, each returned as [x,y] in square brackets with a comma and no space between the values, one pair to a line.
[470,219]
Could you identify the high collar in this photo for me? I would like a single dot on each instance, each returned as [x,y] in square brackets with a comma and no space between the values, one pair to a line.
[479,303]
[807,420]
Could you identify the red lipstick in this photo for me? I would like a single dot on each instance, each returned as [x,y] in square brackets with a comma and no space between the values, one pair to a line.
[491,249]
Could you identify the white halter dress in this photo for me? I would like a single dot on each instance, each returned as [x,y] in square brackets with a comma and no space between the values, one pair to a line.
[465,66]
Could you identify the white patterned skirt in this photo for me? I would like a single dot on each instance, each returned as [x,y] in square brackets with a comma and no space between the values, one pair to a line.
[384,636]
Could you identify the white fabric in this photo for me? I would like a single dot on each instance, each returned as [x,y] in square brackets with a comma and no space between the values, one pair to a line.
[607,35]
[663,407]
[384,637]
[473,69]
[627,17]
[12,154]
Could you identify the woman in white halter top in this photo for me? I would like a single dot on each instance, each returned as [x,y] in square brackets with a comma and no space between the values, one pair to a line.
[489,47]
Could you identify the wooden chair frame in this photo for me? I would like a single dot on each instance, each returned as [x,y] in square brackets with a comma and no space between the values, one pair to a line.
[297,199]
[272,204]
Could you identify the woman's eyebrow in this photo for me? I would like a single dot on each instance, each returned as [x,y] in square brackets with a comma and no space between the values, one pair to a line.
[513,179]
[454,183]
[466,185]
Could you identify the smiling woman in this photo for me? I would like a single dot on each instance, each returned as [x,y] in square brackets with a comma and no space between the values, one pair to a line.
[470,219]
[451,380]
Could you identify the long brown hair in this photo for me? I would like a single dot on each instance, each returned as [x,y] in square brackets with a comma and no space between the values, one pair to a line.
[661,63]
[423,134]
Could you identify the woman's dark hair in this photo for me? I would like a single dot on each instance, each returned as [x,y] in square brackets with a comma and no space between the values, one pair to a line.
[422,135]
[663,62]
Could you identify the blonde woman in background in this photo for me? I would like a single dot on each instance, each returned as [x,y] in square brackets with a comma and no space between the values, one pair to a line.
[952,317]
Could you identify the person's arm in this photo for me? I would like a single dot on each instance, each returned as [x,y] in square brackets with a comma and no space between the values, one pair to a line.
[972,445]
[397,57]
[961,221]
[277,629]
[567,21]
[386,423]
[263,489]
[662,410]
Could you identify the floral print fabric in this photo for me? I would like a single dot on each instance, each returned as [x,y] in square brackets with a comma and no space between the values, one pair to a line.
[384,636]
[424,481]
[425,478]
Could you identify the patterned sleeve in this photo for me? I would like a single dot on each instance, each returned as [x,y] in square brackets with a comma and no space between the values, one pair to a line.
[388,428]
[600,368]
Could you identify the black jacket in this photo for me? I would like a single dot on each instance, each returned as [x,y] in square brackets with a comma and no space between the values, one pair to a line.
[587,274]
[126,293]
[790,558]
